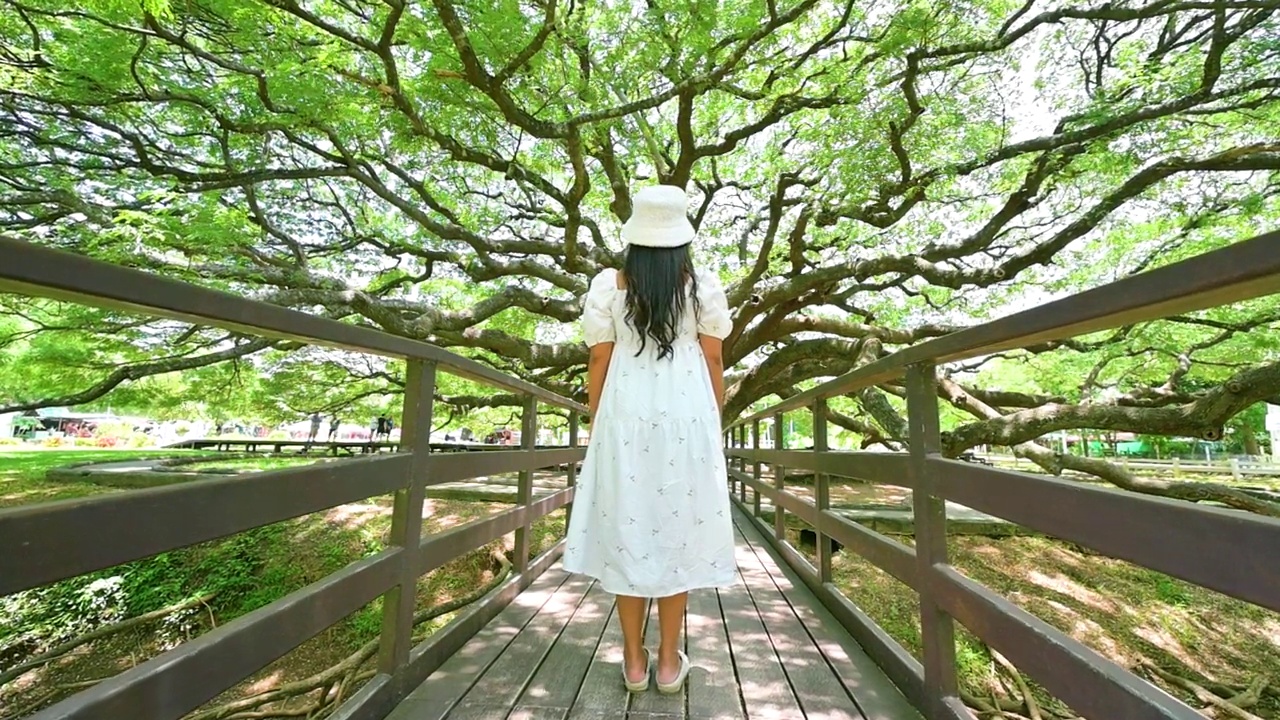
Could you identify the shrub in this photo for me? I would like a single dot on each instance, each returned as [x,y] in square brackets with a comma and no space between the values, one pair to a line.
[139,440]
[229,569]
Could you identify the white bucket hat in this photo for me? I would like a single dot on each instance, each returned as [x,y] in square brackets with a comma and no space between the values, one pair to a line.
[659,218]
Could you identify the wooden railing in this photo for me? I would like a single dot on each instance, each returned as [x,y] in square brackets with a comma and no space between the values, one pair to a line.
[48,542]
[1238,469]
[1229,551]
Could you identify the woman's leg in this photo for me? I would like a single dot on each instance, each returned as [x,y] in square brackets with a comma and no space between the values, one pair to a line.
[631,612]
[670,623]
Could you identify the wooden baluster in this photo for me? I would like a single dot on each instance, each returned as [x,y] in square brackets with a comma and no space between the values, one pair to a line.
[524,494]
[779,480]
[730,444]
[821,490]
[756,471]
[571,477]
[406,517]
[937,629]
[740,441]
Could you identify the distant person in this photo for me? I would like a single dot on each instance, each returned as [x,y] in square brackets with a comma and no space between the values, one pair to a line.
[315,426]
[382,429]
[466,435]
[333,427]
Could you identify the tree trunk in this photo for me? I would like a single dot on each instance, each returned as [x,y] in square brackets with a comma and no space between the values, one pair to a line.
[1250,441]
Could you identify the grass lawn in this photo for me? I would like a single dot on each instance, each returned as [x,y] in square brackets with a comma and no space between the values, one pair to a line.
[260,464]
[22,472]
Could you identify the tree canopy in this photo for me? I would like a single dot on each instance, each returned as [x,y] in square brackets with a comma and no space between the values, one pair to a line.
[863,176]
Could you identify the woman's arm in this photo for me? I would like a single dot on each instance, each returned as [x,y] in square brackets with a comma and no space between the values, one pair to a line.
[597,368]
[712,351]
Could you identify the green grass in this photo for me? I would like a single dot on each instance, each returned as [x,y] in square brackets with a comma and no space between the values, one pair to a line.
[252,464]
[1125,612]
[22,472]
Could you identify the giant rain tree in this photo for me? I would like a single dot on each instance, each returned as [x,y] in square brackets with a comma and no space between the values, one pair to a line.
[864,177]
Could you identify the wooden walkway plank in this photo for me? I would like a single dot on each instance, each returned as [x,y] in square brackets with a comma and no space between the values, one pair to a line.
[479,712]
[504,680]
[433,698]
[652,702]
[537,713]
[602,696]
[766,692]
[821,694]
[875,694]
[762,649]
[713,685]
[556,683]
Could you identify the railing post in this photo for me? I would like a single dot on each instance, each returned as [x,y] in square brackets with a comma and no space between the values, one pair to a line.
[571,475]
[730,443]
[937,629]
[524,494]
[739,440]
[406,517]
[821,490]
[779,480]
[756,471]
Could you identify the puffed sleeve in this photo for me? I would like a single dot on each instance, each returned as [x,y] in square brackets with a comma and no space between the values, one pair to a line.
[713,307]
[597,310]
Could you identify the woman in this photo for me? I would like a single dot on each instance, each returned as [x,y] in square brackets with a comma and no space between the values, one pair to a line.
[651,515]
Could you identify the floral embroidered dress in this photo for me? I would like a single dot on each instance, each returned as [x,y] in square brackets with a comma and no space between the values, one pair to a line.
[651,514]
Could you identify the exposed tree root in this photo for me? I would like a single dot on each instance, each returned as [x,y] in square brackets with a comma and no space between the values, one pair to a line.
[31,706]
[1220,700]
[326,689]
[58,651]
[1233,707]
[323,692]
[1033,708]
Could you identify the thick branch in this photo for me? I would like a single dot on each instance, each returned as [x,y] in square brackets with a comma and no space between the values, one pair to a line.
[137,371]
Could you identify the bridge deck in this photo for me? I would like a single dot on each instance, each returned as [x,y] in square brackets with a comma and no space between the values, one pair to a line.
[764,648]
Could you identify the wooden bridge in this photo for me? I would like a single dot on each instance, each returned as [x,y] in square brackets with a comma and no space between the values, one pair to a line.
[782,642]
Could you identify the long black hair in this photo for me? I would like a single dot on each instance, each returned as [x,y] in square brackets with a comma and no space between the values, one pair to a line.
[656,297]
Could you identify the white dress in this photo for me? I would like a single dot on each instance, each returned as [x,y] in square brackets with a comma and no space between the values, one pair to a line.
[651,514]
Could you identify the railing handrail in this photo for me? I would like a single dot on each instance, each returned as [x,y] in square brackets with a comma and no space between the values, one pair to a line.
[59,275]
[63,539]
[1171,536]
[1245,270]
